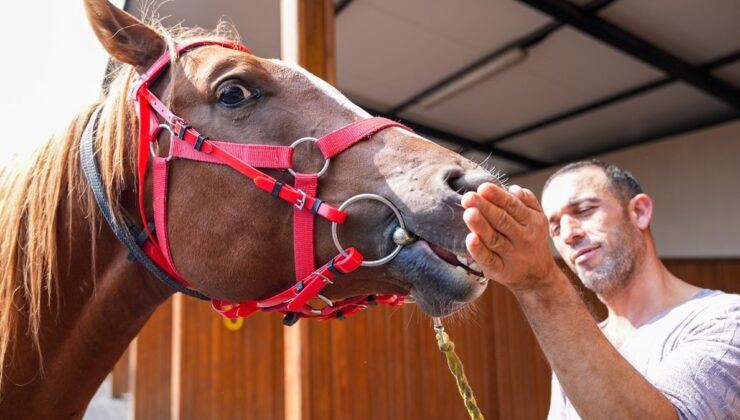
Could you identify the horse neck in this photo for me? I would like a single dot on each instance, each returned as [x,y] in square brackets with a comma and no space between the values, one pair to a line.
[86,330]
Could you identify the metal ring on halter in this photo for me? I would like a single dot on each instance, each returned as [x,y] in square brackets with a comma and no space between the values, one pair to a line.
[155,139]
[313,139]
[383,200]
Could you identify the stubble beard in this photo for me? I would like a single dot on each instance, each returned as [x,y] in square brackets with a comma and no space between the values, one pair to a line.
[618,265]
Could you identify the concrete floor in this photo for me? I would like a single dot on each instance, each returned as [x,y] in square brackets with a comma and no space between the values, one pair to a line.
[104,407]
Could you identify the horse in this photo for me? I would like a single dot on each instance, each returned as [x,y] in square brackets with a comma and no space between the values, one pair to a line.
[71,295]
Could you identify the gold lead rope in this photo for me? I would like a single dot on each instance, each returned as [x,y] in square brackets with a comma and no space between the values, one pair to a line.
[453,362]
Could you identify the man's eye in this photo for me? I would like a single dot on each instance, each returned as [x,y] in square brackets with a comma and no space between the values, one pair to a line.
[234,95]
[584,210]
[554,230]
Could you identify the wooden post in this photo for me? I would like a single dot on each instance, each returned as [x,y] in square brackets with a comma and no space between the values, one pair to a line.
[150,366]
[218,373]
[307,38]
[119,376]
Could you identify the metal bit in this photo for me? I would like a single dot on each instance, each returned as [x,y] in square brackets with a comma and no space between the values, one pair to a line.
[402,236]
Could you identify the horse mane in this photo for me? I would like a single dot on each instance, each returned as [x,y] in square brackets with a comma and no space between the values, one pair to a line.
[49,189]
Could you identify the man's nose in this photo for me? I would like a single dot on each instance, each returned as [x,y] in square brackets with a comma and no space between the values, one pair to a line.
[570,229]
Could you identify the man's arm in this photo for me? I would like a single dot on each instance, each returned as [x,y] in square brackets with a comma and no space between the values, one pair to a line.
[509,241]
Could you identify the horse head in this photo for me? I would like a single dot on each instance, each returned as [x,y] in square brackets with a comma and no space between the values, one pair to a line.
[233,241]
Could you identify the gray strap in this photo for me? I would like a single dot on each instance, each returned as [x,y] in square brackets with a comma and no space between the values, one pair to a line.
[124,234]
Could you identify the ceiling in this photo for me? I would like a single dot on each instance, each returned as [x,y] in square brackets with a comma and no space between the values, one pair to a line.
[523,84]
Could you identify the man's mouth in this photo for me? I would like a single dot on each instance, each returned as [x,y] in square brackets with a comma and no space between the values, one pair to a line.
[584,253]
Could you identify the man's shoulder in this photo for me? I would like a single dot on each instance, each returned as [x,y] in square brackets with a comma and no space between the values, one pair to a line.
[716,302]
[712,313]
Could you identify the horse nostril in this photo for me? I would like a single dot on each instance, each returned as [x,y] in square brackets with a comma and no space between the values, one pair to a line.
[462,182]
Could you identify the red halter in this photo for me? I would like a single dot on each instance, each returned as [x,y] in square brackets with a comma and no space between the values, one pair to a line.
[188,143]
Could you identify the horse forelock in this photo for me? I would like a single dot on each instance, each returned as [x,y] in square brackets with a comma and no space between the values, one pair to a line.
[35,192]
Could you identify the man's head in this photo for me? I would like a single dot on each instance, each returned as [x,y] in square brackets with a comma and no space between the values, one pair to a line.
[599,221]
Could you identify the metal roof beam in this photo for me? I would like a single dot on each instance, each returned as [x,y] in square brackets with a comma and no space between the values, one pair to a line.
[465,143]
[609,100]
[646,140]
[523,42]
[527,40]
[617,37]
[341,5]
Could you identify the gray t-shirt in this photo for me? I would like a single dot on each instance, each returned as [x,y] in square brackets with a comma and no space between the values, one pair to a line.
[691,353]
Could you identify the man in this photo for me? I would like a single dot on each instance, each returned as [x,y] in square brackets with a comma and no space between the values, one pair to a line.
[667,349]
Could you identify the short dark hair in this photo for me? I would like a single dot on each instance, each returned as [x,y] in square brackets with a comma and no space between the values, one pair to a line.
[619,181]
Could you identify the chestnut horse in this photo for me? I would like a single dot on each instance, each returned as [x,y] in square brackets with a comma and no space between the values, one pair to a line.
[71,300]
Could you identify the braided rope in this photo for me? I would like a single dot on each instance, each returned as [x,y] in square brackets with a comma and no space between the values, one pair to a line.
[447,347]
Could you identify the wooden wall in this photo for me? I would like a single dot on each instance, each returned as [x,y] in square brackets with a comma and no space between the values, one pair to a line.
[382,363]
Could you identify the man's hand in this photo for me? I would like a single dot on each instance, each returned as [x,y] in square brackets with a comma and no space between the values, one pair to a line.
[508,236]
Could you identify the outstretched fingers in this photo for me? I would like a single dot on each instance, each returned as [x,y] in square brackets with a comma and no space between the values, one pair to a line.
[488,260]
[505,200]
[490,221]
[478,219]
[526,196]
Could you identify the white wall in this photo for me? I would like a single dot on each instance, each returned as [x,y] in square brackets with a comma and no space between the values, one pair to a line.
[694,180]
[53,66]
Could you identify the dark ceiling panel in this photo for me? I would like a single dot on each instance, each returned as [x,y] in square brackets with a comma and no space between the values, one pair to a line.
[726,73]
[460,141]
[387,51]
[258,21]
[694,30]
[566,70]
[613,35]
[669,110]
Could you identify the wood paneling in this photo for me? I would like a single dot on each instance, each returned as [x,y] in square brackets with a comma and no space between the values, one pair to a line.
[119,376]
[223,374]
[711,274]
[150,366]
[308,39]
[382,363]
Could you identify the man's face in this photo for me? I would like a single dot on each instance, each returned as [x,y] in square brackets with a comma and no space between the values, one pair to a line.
[591,230]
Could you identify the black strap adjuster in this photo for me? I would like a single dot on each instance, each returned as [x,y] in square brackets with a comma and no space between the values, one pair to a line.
[316,205]
[333,269]
[199,143]
[290,319]
[276,189]
[183,128]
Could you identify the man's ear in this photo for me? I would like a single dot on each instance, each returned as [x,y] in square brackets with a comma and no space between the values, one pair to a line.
[641,210]
[126,38]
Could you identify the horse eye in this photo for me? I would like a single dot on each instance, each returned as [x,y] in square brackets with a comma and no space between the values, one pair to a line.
[234,95]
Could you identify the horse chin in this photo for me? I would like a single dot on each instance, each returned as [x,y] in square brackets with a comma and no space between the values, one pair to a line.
[438,286]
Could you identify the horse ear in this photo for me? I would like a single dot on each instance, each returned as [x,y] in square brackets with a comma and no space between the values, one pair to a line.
[126,38]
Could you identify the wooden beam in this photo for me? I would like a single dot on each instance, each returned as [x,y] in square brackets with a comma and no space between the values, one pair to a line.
[307,38]
[611,34]
[119,376]
[222,373]
[150,366]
